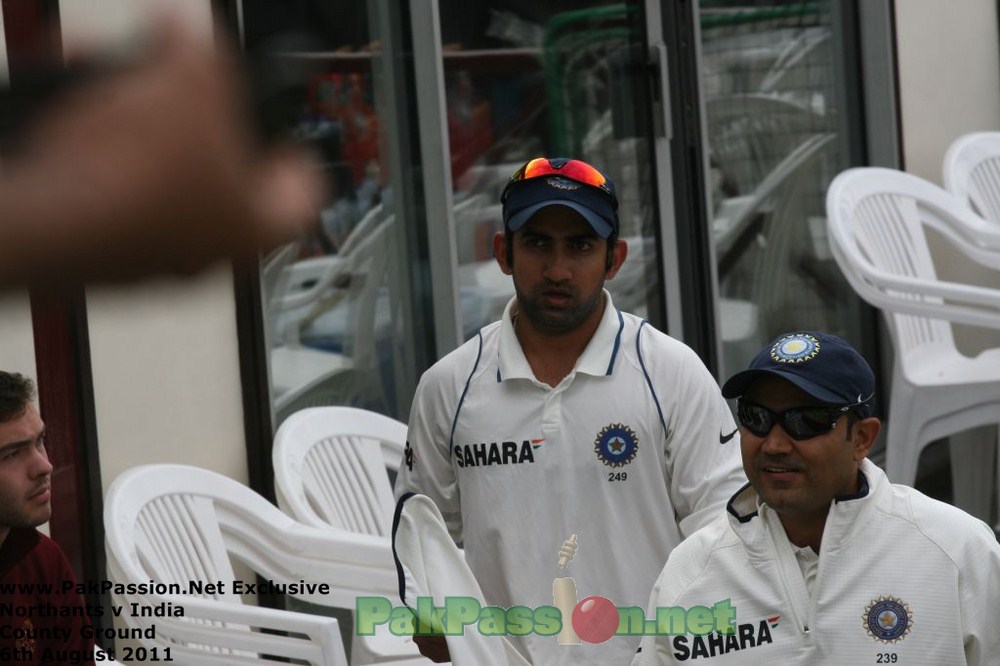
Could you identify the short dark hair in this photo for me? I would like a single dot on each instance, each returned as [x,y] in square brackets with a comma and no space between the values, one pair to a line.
[853,416]
[16,393]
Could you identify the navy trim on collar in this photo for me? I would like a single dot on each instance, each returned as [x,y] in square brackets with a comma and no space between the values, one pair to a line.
[862,490]
[618,341]
[732,510]
[649,382]
[458,409]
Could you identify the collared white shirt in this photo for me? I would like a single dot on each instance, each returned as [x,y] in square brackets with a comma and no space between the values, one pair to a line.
[626,453]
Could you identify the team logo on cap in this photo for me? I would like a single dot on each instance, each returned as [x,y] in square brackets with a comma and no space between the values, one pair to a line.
[616,445]
[887,619]
[795,348]
[563,183]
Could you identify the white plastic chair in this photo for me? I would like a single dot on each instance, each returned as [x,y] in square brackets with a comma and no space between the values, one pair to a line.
[876,221]
[303,376]
[330,468]
[751,134]
[330,472]
[972,174]
[176,524]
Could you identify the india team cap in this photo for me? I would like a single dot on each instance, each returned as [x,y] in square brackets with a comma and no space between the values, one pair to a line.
[560,181]
[823,365]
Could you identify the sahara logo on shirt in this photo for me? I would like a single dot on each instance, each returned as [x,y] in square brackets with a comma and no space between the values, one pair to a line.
[616,445]
[496,453]
[716,644]
[409,457]
[887,619]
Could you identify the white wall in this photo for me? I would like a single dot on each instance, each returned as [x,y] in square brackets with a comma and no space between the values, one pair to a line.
[949,76]
[166,375]
[949,84]
[17,351]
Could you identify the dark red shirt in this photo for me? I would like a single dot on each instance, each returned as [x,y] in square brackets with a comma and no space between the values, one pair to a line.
[42,618]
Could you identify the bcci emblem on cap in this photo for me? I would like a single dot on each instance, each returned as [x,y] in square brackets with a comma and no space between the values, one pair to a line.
[616,445]
[795,348]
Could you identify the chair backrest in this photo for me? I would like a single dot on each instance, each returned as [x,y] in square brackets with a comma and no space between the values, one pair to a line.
[182,525]
[330,468]
[804,67]
[161,525]
[369,273]
[783,181]
[341,299]
[785,201]
[972,172]
[878,215]
[751,134]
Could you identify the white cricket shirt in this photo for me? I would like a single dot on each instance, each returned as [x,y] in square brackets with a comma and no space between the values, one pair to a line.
[632,451]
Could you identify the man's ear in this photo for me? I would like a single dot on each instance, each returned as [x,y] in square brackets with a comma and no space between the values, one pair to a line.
[500,252]
[863,436]
[618,255]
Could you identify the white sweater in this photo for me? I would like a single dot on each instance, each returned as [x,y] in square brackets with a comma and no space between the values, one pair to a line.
[902,579]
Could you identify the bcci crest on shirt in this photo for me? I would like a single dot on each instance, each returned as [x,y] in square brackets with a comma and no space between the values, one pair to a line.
[887,619]
[616,445]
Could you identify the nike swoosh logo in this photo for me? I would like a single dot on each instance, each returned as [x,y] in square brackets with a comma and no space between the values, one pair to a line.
[725,438]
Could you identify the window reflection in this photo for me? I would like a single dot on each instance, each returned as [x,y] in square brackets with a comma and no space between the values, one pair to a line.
[557,79]
[776,139]
[327,297]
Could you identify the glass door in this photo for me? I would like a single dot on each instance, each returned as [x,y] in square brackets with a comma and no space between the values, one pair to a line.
[420,111]
[344,308]
[565,78]
[783,118]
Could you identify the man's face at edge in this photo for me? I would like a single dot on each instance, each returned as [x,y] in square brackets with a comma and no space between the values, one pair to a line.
[25,473]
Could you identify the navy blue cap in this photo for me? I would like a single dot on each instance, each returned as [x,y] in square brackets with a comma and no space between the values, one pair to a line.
[523,198]
[823,365]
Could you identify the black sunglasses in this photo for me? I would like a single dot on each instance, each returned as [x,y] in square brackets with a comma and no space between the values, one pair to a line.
[799,422]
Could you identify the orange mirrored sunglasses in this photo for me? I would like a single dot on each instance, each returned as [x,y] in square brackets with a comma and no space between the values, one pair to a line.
[577,170]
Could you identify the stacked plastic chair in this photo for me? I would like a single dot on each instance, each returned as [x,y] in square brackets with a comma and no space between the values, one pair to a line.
[330,472]
[182,527]
[878,219]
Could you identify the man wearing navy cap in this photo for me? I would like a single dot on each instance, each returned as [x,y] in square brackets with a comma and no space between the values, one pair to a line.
[568,417]
[824,560]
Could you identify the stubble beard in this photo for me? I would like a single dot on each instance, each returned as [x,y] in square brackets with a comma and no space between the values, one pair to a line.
[565,320]
[20,516]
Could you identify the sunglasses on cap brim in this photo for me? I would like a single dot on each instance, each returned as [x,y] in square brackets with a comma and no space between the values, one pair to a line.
[577,170]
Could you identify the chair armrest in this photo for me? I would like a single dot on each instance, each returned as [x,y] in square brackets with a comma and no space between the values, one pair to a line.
[960,303]
[230,626]
[973,236]
[351,564]
[322,271]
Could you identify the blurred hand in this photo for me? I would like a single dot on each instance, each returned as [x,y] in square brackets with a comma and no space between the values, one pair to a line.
[434,648]
[152,169]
